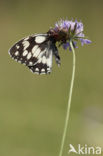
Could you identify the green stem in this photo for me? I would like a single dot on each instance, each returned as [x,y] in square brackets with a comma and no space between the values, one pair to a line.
[69,101]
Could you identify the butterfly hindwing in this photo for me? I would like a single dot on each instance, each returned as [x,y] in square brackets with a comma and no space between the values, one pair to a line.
[44,63]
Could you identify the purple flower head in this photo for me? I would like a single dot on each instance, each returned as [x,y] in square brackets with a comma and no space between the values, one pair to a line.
[66,31]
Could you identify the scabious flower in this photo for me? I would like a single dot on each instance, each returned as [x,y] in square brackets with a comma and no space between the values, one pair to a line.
[66,31]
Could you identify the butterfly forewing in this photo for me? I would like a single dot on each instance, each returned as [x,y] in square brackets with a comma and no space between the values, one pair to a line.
[23,51]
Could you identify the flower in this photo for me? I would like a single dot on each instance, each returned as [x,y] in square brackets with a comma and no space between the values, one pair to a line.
[73,32]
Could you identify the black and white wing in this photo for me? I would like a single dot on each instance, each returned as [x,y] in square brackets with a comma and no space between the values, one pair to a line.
[36,53]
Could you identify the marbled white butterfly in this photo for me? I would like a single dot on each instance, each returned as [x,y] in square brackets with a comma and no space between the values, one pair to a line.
[36,52]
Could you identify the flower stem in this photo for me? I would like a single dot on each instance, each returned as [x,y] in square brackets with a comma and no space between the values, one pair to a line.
[69,101]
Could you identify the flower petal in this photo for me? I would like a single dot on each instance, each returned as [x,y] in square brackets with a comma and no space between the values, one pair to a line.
[66,45]
[75,44]
[85,41]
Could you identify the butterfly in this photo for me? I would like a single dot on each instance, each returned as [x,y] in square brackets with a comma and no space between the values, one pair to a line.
[36,52]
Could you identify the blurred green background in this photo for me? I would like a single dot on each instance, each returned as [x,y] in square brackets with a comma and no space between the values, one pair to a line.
[32,107]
